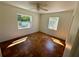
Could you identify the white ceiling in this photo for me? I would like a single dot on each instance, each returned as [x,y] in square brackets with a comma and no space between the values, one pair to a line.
[52,6]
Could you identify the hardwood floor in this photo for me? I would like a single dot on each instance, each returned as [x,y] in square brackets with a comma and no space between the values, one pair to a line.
[36,45]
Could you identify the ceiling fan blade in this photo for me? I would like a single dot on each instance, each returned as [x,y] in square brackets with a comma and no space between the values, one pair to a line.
[43,9]
[39,5]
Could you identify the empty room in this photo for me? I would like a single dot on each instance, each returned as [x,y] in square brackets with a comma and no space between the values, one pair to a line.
[39,28]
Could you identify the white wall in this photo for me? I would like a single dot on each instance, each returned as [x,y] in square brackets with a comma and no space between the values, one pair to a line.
[72,41]
[65,20]
[8,22]
[1,22]
[75,47]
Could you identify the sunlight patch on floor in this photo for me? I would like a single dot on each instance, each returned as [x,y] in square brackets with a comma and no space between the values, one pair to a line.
[57,41]
[17,42]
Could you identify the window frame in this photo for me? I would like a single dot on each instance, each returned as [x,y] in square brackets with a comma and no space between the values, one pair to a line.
[56,22]
[30,21]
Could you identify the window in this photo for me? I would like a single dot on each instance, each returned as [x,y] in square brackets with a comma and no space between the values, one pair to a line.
[53,23]
[24,21]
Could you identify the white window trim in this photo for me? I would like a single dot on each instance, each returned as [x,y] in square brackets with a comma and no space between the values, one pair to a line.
[56,26]
[30,21]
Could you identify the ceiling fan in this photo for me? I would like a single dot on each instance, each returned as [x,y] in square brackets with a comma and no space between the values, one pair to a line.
[40,6]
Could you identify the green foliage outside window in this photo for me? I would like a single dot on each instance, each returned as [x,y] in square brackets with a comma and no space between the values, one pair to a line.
[24,21]
[23,18]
